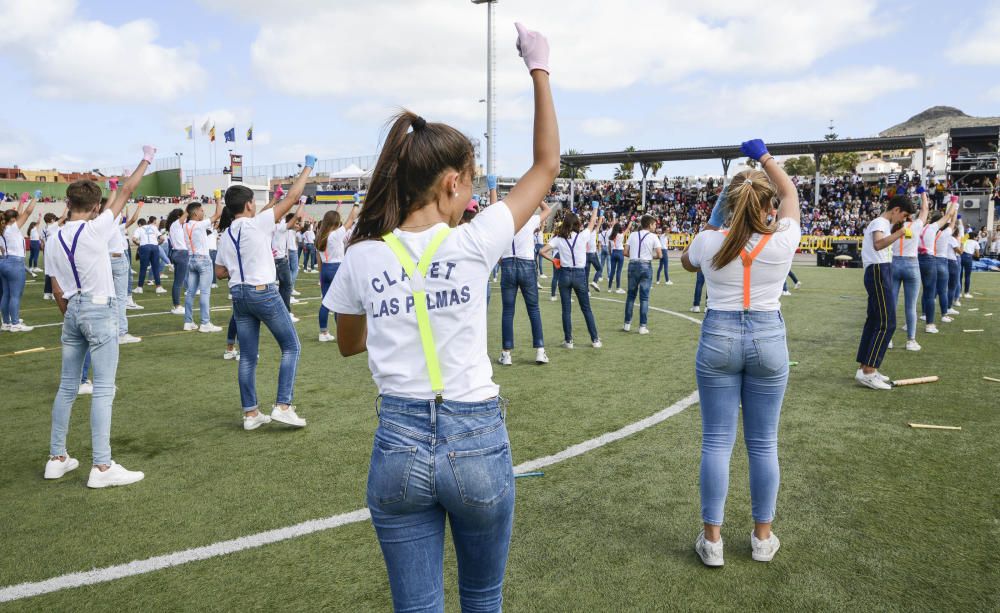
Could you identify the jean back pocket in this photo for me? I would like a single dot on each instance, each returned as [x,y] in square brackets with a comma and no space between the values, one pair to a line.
[389,472]
[483,475]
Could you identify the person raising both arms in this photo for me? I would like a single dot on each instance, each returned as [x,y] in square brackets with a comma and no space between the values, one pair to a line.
[412,292]
[245,258]
[906,270]
[643,247]
[570,240]
[330,247]
[742,357]
[82,281]
[180,253]
[12,271]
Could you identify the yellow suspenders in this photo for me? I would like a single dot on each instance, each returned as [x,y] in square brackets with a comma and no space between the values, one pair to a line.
[416,273]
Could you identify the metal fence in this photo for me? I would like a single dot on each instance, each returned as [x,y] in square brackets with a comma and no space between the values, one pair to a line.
[272,171]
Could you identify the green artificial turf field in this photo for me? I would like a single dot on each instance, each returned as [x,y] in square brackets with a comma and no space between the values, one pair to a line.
[872,515]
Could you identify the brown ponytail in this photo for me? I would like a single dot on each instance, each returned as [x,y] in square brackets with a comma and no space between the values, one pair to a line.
[410,162]
[330,222]
[749,198]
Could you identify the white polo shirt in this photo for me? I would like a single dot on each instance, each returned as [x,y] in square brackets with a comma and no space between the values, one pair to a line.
[523,244]
[767,276]
[642,246]
[91,256]
[254,237]
[371,282]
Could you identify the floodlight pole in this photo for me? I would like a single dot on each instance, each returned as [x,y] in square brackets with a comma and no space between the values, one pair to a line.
[818,157]
[490,87]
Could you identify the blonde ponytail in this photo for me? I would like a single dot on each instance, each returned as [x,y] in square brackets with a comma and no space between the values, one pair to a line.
[749,198]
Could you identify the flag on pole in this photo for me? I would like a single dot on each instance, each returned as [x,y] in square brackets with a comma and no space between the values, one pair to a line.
[205,126]
[230,135]
[189,131]
[250,132]
[211,134]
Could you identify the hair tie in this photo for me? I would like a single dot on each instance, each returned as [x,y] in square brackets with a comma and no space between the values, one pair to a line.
[419,123]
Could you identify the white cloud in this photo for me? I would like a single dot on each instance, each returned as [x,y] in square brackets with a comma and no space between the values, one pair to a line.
[811,97]
[981,47]
[73,58]
[602,126]
[994,93]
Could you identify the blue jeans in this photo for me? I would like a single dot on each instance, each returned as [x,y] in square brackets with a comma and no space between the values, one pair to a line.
[180,259]
[433,461]
[604,259]
[554,283]
[538,257]
[928,276]
[881,321]
[199,278]
[164,249]
[231,331]
[943,284]
[906,272]
[36,247]
[12,276]
[570,280]
[94,328]
[615,272]
[309,256]
[327,273]
[593,262]
[699,284]
[84,378]
[664,267]
[640,278]
[518,274]
[251,307]
[967,270]
[293,265]
[284,274]
[954,281]
[120,270]
[742,360]
[149,256]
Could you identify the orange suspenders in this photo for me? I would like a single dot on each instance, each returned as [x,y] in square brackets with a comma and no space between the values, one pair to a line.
[748,259]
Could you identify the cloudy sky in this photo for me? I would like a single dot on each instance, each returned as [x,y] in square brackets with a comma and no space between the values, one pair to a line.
[86,83]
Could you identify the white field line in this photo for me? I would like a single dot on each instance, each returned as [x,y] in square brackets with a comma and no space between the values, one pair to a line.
[140,567]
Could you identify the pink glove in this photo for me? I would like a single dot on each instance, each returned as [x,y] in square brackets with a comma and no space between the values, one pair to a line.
[533,47]
[279,192]
[113,184]
[954,199]
[25,197]
[148,151]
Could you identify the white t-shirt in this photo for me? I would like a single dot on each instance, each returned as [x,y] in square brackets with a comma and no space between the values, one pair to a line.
[539,238]
[13,240]
[604,237]
[642,246]
[868,254]
[308,237]
[117,243]
[664,243]
[91,255]
[523,245]
[334,252]
[907,247]
[34,234]
[254,236]
[291,242]
[572,252]
[970,247]
[927,235]
[50,229]
[279,242]
[950,249]
[619,242]
[767,276]
[942,244]
[196,236]
[146,235]
[592,243]
[178,240]
[212,239]
[371,282]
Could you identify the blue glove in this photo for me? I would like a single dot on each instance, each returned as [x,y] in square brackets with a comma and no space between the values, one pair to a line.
[476,198]
[311,161]
[491,181]
[754,149]
[38,194]
[595,204]
[718,217]
[357,198]
[2,196]
[921,190]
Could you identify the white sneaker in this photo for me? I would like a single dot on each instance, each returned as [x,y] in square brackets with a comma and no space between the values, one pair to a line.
[957,303]
[505,359]
[115,475]
[554,298]
[952,312]
[293,300]
[137,290]
[786,293]
[132,306]
[296,292]
[48,297]
[86,388]
[540,356]
[619,291]
[288,416]
[695,309]
[931,329]
[541,275]
[55,468]
[128,339]
[231,355]
[798,284]
[597,288]
[643,330]
[19,327]
[567,344]
[912,345]
[890,344]
[150,283]
[883,377]
[295,319]
[5,327]
[709,552]
[763,551]
[258,420]
[540,286]
[873,381]
[923,318]
[326,337]
[215,286]
[190,325]
[626,327]
[597,344]
[159,290]
[946,319]
[966,295]
[209,327]
[668,282]
[177,310]
[657,282]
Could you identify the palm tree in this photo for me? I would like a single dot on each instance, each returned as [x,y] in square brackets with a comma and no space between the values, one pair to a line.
[625,170]
[577,172]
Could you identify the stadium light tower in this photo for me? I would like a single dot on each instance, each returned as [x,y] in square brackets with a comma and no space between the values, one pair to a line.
[490,89]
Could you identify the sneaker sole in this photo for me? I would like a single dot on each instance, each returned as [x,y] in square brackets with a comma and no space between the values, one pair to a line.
[63,473]
[98,486]
[707,563]
[255,426]
[761,558]
[286,422]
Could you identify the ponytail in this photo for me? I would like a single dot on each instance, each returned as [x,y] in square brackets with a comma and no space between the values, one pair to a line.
[749,199]
[225,219]
[569,224]
[414,155]
[330,222]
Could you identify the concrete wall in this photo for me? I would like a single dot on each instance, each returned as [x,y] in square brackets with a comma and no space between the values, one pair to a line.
[162,183]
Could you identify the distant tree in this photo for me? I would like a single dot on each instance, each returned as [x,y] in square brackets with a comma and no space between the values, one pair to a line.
[840,163]
[650,166]
[802,166]
[577,172]
[625,170]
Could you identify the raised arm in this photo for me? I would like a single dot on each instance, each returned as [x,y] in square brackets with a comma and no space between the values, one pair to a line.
[135,215]
[24,212]
[352,217]
[535,184]
[788,196]
[117,203]
[546,212]
[491,184]
[218,211]
[298,186]
[924,204]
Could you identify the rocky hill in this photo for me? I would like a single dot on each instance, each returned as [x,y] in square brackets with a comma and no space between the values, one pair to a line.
[936,120]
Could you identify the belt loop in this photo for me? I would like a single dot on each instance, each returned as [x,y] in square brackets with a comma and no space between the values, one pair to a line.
[433,406]
[378,406]
[504,403]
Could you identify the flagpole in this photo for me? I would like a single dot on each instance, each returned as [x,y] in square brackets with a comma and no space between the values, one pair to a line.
[194,145]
